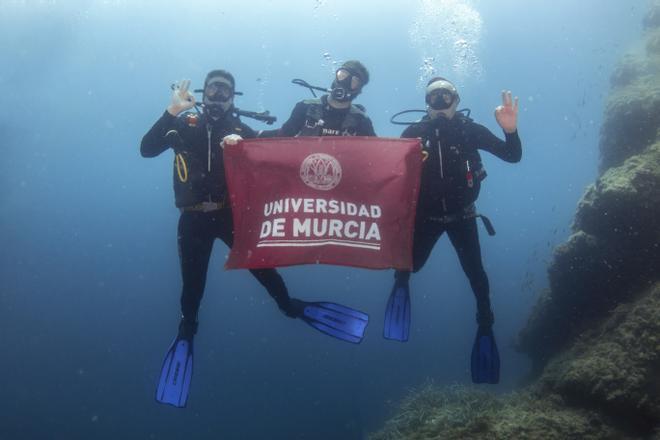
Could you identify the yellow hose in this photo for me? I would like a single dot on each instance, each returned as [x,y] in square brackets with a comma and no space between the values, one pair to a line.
[181,163]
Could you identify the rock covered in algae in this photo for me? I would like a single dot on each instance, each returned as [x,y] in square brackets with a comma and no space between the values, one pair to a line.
[459,412]
[632,110]
[631,120]
[623,203]
[614,253]
[652,18]
[616,366]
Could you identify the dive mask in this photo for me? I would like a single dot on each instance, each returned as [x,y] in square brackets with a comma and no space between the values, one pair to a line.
[346,85]
[440,95]
[218,91]
[218,97]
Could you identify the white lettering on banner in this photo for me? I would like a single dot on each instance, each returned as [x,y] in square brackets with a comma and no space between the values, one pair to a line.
[347,230]
[301,228]
[335,228]
[316,227]
[373,233]
[359,230]
[273,229]
[320,206]
[266,228]
[278,227]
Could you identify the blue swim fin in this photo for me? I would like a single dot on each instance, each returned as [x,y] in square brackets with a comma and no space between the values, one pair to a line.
[175,376]
[485,357]
[397,314]
[333,319]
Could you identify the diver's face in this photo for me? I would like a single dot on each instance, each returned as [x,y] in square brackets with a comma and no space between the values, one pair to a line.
[348,79]
[218,97]
[218,89]
[346,86]
[441,95]
[440,99]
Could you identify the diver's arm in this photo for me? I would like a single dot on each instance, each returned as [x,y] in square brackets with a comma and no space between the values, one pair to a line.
[268,133]
[506,116]
[291,127]
[247,132]
[509,150]
[154,142]
[295,122]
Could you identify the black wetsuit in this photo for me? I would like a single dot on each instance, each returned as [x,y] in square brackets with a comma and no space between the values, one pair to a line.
[315,117]
[451,178]
[200,193]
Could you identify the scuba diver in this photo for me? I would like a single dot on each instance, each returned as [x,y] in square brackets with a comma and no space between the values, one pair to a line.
[334,113]
[451,178]
[196,138]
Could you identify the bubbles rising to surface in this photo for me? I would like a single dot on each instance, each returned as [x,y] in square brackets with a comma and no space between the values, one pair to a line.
[329,62]
[446,33]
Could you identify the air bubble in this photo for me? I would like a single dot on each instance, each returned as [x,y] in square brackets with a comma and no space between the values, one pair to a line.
[447,34]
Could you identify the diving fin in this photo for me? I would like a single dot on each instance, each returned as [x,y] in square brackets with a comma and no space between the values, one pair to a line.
[333,319]
[485,357]
[397,313]
[176,373]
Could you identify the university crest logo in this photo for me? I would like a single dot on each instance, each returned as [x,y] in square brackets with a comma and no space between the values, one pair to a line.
[320,171]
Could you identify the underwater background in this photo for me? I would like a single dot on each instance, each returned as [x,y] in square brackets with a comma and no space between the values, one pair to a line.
[89,273]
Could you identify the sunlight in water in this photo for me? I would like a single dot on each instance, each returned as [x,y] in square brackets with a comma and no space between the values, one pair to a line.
[446,33]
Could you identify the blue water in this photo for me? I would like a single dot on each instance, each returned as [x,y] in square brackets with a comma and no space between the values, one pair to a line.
[89,282]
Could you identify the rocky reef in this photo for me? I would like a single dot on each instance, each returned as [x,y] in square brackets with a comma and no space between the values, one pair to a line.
[614,251]
[605,386]
[458,413]
[594,334]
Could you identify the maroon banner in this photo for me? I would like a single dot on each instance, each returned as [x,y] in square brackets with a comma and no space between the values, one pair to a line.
[331,200]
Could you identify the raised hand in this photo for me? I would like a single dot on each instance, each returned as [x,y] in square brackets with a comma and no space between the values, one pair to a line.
[507,113]
[182,99]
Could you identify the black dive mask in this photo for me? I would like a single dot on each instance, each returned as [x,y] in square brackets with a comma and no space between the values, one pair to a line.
[346,85]
[440,99]
[217,99]
[218,91]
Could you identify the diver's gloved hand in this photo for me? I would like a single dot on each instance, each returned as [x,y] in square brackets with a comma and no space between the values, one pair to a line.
[182,99]
[507,113]
[230,139]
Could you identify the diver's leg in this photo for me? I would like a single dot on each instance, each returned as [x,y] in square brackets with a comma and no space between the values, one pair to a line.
[195,242]
[269,278]
[485,358]
[398,310]
[464,237]
[332,319]
[425,236]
